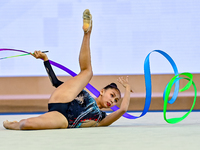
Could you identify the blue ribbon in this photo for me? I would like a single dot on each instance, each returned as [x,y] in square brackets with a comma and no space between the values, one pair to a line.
[147,75]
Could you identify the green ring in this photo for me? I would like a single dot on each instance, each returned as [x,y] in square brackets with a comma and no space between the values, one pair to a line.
[168,89]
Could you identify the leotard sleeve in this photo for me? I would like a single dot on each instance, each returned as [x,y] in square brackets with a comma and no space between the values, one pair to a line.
[54,80]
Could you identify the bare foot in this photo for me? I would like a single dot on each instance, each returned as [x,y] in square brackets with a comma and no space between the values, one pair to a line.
[87,21]
[7,124]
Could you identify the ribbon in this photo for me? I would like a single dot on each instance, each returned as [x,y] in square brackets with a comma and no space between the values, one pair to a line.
[147,75]
[167,92]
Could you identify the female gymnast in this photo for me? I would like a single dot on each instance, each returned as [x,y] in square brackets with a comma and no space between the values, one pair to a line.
[70,106]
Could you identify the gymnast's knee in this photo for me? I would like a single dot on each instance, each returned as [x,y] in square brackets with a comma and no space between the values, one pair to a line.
[88,72]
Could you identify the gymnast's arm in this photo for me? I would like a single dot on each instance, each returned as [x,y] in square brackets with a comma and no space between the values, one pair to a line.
[108,120]
[54,80]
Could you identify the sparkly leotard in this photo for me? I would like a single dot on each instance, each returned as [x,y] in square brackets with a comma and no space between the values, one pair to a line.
[82,108]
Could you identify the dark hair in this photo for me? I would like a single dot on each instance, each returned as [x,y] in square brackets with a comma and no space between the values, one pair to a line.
[112,86]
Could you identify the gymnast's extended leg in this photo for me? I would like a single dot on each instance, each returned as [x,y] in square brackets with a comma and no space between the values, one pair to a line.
[63,94]
[49,120]
[71,88]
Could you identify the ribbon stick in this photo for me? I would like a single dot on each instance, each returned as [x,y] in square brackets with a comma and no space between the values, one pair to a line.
[147,74]
[21,55]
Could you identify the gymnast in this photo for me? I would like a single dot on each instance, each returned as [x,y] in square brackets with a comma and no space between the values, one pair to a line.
[70,106]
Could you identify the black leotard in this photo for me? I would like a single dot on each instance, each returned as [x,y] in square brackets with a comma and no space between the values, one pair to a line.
[82,108]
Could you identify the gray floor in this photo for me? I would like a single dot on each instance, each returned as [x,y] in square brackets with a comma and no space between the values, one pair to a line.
[150,132]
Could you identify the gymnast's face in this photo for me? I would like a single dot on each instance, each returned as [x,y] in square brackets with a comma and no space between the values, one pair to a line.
[110,97]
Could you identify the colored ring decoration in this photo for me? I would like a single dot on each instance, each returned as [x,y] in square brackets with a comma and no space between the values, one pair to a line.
[147,75]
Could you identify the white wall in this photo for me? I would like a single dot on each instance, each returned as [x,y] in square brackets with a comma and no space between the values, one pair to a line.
[124,32]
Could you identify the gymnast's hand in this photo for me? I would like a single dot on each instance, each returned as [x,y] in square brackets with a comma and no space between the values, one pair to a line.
[39,54]
[124,82]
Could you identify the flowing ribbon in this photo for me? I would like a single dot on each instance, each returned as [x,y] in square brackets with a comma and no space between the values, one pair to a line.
[147,74]
[167,92]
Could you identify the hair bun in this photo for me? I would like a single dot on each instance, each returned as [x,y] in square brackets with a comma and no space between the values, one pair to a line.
[113,85]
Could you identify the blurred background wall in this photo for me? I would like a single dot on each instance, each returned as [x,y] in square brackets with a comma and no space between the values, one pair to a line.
[124,33]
